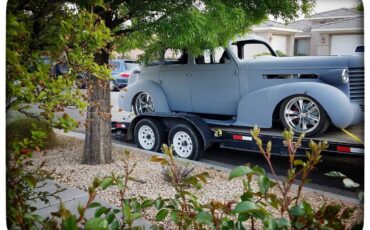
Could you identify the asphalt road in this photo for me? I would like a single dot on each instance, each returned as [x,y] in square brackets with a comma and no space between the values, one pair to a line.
[353,168]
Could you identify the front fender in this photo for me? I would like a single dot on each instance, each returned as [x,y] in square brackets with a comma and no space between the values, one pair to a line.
[126,97]
[257,108]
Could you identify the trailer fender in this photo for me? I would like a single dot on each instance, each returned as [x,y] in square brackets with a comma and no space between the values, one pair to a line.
[127,96]
[257,108]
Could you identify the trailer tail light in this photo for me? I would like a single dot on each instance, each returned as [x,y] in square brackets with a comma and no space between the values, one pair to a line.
[241,138]
[118,125]
[346,149]
[125,75]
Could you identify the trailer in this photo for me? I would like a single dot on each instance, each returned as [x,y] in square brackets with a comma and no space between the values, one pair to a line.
[191,135]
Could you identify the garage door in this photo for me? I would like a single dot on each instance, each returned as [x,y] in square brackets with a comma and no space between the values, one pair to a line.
[345,44]
[279,42]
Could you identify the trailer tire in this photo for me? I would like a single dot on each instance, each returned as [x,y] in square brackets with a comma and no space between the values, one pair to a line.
[149,135]
[186,141]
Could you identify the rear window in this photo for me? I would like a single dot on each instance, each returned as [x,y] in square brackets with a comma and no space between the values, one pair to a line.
[130,65]
[115,65]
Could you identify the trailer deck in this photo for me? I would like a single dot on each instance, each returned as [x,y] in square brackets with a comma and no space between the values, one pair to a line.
[240,138]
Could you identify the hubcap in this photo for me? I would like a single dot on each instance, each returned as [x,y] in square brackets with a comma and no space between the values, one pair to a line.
[144,103]
[146,137]
[182,144]
[302,114]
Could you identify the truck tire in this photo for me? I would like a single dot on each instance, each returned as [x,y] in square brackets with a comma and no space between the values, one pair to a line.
[186,142]
[149,135]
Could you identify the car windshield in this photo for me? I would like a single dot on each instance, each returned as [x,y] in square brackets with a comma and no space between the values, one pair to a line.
[130,65]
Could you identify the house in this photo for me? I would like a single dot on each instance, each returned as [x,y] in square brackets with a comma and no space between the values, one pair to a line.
[335,32]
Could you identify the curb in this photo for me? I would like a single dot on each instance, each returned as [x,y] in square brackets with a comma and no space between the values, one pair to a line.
[226,168]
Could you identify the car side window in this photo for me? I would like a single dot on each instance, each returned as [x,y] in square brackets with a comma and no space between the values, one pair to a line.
[173,57]
[215,56]
[253,50]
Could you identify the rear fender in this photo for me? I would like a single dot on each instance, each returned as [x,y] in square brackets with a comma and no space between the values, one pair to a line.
[127,96]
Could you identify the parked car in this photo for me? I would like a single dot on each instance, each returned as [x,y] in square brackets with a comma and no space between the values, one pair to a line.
[235,86]
[122,69]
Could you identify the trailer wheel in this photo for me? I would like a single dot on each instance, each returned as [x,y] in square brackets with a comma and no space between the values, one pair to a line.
[149,135]
[186,142]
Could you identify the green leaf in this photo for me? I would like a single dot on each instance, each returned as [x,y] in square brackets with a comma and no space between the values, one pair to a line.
[94,205]
[348,183]
[127,213]
[297,211]
[70,223]
[136,216]
[259,170]
[245,206]
[106,182]
[298,162]
[270,224]
[100,211]
[115,225]
[264,184]
[239,171]
[174,216]
[158,203]
[347,213]
[147,203]
[204,217]
[161,215]
[335,174]
[110,218]
[31,181]
[283,223]
[96,224]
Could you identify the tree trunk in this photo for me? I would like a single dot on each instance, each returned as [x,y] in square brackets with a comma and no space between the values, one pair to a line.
[98,138]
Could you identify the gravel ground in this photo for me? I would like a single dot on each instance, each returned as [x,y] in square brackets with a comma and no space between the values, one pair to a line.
[65,159]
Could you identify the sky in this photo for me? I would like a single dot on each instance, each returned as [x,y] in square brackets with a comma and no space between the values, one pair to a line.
[325,5]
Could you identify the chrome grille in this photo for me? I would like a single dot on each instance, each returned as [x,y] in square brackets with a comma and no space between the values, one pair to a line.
[357,86]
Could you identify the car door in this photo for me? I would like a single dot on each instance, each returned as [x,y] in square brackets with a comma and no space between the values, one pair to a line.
[214,83]
[175,82]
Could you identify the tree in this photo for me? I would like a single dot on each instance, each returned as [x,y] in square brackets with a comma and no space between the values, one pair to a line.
[156,25]
[38,35]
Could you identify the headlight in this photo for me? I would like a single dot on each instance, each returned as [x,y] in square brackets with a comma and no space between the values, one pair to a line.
[345,76]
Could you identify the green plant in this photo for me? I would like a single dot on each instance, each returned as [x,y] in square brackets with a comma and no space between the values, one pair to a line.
[186,212]
[22,127]
[123,217]
[280,53]
[183,173]
[22,178]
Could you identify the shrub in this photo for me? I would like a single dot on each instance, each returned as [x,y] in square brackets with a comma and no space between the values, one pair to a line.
[21,128]
[280,53]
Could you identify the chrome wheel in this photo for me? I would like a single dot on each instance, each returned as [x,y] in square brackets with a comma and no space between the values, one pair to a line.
[302,114]
[143,104]
[146,137]
[182,144]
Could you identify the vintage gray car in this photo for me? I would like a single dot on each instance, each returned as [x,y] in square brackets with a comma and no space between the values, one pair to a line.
[247,84]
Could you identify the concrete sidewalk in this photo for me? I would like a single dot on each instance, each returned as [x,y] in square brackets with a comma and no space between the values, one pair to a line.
[71,198]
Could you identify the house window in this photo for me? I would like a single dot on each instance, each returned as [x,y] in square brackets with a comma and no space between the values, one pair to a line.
[301,47]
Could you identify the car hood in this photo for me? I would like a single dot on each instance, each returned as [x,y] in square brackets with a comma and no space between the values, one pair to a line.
[312,62]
